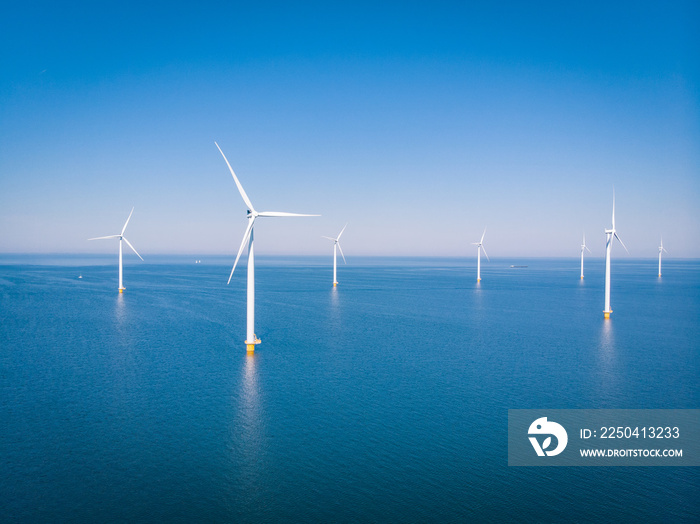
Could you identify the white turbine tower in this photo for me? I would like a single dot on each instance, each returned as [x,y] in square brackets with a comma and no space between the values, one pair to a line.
[480,246]
[251,338]
[610,233]
[336,246]
[661,248]
[583,247]
[121,237]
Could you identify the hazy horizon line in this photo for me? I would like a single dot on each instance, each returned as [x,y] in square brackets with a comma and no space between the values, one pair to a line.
[282,255]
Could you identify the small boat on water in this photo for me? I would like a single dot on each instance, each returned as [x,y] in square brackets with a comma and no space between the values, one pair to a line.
[517,266]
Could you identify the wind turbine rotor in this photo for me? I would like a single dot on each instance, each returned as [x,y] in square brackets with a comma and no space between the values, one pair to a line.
[584,246]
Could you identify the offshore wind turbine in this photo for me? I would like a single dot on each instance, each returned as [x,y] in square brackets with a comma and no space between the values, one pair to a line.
[336,246]
[480,246]
[609,234]
[121,237]
[248,236]
[661,248]
[583,247]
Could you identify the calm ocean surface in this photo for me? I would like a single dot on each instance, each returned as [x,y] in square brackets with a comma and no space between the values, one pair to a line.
[383,400]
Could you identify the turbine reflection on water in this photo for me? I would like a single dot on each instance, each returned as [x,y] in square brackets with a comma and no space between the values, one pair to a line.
[608,362]
[120,310]
[248,438]
[607,340]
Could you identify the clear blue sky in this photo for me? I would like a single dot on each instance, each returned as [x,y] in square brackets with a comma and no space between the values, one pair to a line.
[419,123]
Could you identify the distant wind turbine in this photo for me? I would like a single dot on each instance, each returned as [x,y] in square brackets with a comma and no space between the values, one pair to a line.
[610,233]
[251,338]
[336,246]
[480,246]
[121,237]
[661,248]
[583,247]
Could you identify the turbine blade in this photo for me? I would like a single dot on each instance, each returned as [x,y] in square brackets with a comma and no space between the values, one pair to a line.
[101,238]
[341,231]
[588,249]
[243,243]
[482,238]
[487,257]
[282,214]
[127,220]
[132,248]
[621,242]
[664,250]
[341,252]
[238,184]
[329,238]
[613,214]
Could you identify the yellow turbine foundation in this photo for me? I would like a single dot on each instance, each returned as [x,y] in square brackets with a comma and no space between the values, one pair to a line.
[121,290]
[250,346]
[335,284]
[607,313]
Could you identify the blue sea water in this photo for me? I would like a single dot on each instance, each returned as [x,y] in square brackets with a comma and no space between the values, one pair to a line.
[382,400]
